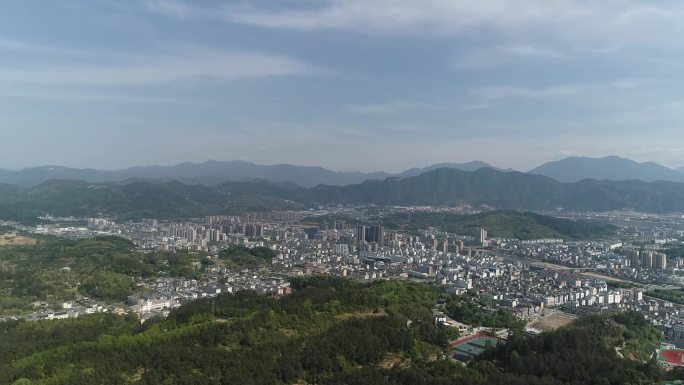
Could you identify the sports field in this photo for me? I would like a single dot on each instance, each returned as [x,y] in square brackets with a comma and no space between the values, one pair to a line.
[671,356]
[467,348]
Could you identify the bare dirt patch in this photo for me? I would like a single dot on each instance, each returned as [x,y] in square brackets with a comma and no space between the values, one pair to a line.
[368,314]
[12,239]
[552,321]
[392,360]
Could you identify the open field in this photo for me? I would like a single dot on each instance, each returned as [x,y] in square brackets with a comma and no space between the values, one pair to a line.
[552,321]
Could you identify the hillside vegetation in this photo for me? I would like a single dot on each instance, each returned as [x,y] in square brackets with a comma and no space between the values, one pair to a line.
[58,269]
[329,331]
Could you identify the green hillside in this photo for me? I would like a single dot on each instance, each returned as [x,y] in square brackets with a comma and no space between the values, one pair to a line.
[56,270]
[329,331]
[504,224]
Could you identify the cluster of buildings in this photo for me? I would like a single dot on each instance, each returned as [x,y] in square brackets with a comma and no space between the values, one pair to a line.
[641,264]
[650,259]
[522,277]
[71,309]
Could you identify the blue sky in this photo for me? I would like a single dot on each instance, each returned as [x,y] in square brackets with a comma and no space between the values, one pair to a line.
[346,84]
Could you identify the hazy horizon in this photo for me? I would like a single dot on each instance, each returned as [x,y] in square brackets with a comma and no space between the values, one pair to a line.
[500,166]
[344,84]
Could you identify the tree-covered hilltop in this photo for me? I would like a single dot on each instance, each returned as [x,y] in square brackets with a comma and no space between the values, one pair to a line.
[504,224]
[104,268]
[238,257]
[329,331]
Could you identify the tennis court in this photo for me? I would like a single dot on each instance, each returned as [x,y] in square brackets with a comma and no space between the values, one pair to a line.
[470,347]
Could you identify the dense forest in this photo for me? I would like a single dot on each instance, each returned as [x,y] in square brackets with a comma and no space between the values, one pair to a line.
[329,331]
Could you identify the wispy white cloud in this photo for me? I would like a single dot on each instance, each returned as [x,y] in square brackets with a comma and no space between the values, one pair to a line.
[535,51]
[161,69]
[506,55]
[394,108]
[81,97]
[491,93]
[21,46]
[7,44]
[175,8]
[379,109]
[608,21]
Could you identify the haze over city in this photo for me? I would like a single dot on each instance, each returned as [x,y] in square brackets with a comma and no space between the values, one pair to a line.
[344,84]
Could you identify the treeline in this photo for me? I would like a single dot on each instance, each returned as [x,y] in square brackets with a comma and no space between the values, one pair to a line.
[674,296]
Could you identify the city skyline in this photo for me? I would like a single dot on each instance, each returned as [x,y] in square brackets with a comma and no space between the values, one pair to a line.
[335,83]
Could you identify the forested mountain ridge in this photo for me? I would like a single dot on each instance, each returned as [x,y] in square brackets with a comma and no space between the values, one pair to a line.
[508,190]
[503,190]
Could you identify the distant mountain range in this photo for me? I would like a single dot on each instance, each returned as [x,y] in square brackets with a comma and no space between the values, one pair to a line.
[444,186]
[575,169]
[212,172]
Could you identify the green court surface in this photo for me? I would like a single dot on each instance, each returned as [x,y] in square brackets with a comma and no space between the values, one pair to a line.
[470,348]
